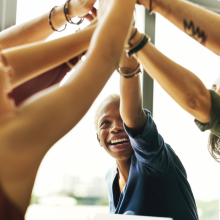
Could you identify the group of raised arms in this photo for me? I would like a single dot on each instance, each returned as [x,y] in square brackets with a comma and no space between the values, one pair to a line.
[148,178]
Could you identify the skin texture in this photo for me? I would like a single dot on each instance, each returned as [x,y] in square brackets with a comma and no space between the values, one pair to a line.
[42,56]
[38,29]
[185,87]
[196,21]
[46,117]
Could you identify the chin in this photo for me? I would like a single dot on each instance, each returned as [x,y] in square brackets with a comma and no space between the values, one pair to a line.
[124,155]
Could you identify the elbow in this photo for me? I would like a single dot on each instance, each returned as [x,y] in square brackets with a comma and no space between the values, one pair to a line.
[192,103]
[200,108]
[112,55]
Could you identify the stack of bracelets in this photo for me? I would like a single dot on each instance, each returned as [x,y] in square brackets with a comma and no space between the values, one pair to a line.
[67,16]
[132,50]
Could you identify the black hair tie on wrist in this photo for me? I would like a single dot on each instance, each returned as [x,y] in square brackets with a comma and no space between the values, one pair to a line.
[138,47]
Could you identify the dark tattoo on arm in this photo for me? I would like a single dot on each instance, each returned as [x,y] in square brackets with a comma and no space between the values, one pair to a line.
[195,33]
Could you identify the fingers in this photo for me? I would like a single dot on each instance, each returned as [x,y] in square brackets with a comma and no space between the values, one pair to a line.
[89,17]
[92,15]
[2,58]
[4,65]
[94,12]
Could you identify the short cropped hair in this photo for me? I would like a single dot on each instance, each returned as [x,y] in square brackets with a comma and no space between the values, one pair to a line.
[111,97]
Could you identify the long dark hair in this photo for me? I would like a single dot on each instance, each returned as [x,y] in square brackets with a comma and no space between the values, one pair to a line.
[214,146]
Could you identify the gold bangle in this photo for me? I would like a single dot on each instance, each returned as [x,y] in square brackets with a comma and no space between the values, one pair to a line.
[126,75]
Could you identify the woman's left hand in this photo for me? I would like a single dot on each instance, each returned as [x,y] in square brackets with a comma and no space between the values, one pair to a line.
[81,8]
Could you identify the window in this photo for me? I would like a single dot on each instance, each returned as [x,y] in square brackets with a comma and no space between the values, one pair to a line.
[176,126]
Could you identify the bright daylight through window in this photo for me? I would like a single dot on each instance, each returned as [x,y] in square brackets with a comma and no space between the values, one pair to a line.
[73,171]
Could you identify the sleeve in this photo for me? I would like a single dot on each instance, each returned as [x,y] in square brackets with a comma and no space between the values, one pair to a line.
[214,124]
[41,82]
[149,147]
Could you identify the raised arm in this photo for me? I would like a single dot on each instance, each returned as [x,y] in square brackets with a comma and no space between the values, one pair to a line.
[131,98]
[38,29]
[33,59]
[181,84]
[147,143]
[44,119]
[199,23]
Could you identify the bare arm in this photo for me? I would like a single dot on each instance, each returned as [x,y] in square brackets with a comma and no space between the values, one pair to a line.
[131,98]
[181,84]
[44,119]
[199,23]
[38,29]
[33,59]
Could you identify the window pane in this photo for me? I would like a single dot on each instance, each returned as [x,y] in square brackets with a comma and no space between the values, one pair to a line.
[176,126]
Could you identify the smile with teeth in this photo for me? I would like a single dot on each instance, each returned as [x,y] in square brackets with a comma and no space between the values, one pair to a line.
[119,141]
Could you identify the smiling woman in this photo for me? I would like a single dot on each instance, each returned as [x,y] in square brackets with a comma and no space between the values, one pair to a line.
[148,178]
[116,143]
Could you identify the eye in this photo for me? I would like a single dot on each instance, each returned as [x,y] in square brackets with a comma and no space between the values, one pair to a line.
[104,123]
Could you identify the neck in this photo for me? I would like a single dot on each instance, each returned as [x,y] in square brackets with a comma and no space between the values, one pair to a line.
[123,168]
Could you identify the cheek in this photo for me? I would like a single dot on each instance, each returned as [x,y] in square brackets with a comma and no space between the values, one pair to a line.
[102,136]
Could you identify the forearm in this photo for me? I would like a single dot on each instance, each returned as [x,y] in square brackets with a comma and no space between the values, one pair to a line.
[46,117]
[199,23]
[37,29]
[31,60]
[182,85]
[107,29]
[131,98]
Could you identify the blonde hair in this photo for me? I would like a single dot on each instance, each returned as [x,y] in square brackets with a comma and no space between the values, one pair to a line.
[111,97]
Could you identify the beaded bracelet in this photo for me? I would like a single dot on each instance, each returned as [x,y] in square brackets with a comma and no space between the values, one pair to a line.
[49,19]
[67,16]
[126,75]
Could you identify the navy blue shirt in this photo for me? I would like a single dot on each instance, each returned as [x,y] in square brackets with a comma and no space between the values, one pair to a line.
[157,183]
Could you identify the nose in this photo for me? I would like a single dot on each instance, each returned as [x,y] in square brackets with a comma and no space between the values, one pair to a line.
[117,127]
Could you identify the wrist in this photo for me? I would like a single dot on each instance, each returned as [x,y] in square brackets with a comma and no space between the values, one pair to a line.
[135,40]
[72,12]
[129,69]
[162,6]
[58,18]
